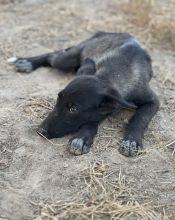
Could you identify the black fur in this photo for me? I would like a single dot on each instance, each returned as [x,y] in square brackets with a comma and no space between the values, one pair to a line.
[112,72]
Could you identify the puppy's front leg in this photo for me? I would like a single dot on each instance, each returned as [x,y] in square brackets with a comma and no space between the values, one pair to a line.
[82,142]
[134,133]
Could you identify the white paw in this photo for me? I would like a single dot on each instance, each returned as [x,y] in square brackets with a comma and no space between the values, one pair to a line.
[12,60]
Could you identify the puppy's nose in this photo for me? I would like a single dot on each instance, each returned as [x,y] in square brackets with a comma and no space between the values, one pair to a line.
[42,132]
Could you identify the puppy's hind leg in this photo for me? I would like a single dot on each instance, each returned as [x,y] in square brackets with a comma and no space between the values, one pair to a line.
[87,67]
[148,105]
[65,60]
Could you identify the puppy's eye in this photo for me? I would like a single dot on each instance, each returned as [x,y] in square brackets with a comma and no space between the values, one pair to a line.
[72,108]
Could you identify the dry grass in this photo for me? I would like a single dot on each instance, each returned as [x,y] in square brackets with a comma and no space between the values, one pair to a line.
[37,103]
[155,19]
[140,11]
[51,142]
[171,146]
[105,195]
[162,30]
[35,106]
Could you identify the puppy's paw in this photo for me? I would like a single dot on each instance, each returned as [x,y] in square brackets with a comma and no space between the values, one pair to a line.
[79,146]
[130,148]
[21,64]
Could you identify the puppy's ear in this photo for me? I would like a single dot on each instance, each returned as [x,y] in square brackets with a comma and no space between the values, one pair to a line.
[59,98]
[60,95]
[111,100]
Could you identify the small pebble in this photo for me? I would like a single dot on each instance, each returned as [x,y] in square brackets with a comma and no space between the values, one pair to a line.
[65,165]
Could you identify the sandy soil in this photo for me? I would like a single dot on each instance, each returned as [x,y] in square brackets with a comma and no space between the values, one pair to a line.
[33,170]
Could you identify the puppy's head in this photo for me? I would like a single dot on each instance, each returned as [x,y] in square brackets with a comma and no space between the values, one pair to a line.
[84,100]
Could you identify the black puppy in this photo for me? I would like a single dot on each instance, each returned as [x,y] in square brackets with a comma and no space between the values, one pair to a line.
[112,72]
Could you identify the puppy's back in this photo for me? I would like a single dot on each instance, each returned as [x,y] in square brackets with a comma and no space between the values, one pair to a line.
[119,59]
[102,42]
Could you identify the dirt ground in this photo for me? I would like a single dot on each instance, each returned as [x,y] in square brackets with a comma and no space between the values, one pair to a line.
[40,179]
